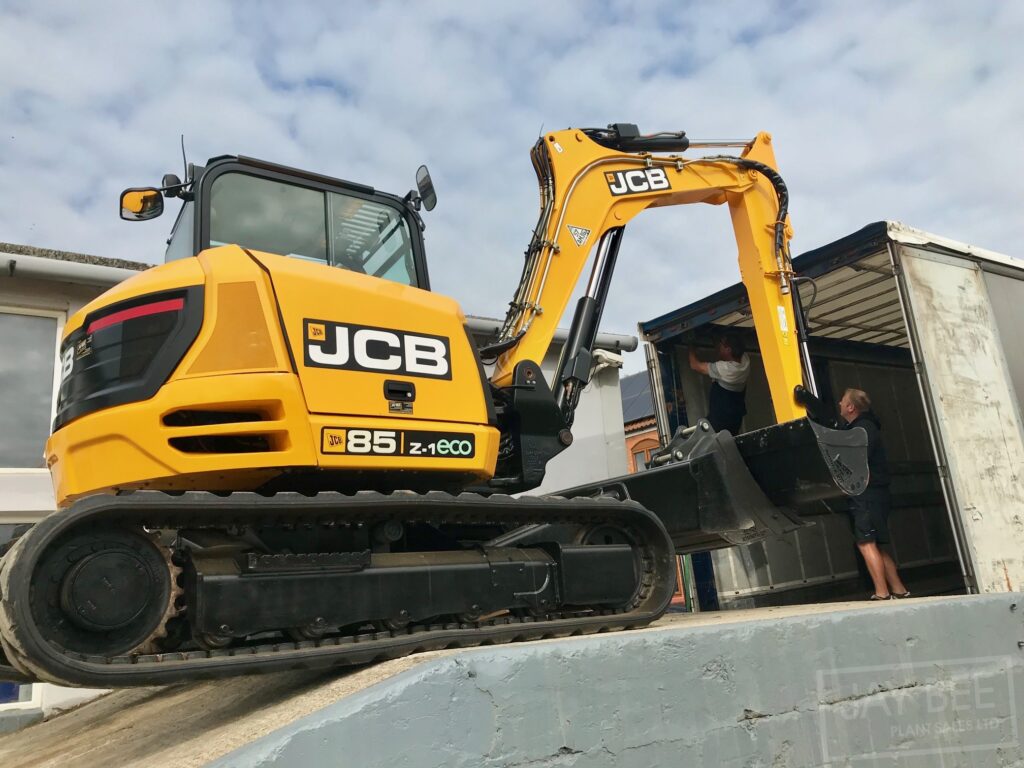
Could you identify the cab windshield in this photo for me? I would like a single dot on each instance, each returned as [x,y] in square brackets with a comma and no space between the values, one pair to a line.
[346,231]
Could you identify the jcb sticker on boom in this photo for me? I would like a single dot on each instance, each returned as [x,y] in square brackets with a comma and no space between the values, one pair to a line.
[640,180]
[378,350]
[398,442]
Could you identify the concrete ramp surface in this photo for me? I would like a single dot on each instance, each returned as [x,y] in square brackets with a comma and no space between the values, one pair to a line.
[926,682]
[185,725]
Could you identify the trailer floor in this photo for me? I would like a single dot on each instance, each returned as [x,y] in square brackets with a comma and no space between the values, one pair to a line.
[194,724]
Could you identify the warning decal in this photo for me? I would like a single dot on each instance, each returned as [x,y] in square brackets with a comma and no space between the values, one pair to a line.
[579,234]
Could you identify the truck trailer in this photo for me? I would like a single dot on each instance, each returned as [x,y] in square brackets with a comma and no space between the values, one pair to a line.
[927,326]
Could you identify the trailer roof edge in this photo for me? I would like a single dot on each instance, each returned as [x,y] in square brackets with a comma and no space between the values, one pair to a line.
[813,263]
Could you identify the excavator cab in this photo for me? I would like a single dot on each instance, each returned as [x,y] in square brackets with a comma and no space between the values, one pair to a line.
[275,209]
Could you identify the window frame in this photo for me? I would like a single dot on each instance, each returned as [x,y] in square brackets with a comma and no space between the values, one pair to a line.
[34,700]
[298,178]
[645,446]
[61,317]
[184,240]
[640,459]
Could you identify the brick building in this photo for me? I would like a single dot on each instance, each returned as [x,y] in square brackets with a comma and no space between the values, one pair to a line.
[638,419]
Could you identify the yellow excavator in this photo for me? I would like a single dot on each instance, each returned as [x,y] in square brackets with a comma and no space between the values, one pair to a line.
[280,450]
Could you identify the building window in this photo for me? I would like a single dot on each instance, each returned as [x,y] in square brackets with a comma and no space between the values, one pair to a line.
[13,693]
[28,368]
[640,459]
[643,447]
[29,374]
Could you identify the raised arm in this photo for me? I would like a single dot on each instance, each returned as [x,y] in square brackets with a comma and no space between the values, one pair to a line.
[697,365]
[592,182]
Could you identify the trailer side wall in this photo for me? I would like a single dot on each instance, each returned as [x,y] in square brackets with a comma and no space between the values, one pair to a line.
[973,398]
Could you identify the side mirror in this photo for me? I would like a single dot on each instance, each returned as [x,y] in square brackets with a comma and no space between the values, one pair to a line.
[141,204]
[426,188]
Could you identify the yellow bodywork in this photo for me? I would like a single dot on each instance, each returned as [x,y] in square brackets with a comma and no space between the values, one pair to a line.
[242,361]
[584,207]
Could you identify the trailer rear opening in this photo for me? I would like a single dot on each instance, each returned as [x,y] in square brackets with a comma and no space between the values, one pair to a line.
[926,326]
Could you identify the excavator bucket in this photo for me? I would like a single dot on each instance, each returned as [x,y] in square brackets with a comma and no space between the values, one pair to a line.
[713,490]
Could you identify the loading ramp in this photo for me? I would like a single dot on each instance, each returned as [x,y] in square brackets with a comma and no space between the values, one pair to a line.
[787,686]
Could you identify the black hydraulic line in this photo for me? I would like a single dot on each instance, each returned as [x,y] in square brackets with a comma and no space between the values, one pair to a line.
[626,137]
[781,192]
[814,295]
[517,306]
[783,259]
[802,338]
[490,352]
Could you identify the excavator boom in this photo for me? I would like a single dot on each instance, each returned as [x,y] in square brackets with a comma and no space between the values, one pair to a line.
[591,190]
[707,488]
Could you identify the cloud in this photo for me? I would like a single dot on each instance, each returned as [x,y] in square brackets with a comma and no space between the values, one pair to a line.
[878,110]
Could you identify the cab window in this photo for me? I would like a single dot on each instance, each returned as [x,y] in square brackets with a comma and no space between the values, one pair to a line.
[342,230]
[267,215]
[179,244]
[371,238]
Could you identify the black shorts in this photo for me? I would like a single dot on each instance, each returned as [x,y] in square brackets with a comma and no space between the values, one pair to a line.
[869,514]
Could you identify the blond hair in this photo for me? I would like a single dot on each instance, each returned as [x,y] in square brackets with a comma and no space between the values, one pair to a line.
[859,398]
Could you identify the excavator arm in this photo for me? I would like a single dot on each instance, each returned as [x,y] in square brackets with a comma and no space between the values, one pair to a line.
[592,183]
[706,487]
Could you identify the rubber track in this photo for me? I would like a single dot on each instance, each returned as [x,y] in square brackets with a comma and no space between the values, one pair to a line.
[27,649]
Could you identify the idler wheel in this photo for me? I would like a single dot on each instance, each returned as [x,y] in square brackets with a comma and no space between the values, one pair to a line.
[101,591]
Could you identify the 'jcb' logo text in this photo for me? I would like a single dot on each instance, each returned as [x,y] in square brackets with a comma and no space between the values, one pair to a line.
[631,182]
[378,350]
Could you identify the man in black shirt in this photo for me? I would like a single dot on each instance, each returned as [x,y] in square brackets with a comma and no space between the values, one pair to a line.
[870,510]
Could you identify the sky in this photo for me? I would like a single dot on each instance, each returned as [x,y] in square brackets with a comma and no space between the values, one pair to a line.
[878,110]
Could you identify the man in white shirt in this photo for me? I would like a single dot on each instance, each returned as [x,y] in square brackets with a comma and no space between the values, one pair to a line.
[729,373]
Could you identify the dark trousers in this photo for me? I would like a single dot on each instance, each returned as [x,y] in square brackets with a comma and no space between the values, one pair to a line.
[726,408]
[704,581]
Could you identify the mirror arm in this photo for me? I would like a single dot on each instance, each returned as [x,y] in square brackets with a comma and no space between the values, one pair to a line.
[177,190]
[413,200]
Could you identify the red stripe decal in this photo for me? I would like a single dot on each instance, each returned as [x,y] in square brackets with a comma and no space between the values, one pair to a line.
[170,305]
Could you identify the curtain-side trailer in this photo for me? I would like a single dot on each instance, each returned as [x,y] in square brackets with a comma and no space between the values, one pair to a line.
[931,329]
